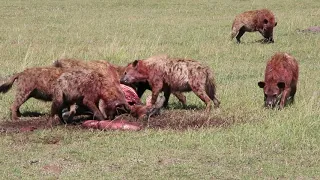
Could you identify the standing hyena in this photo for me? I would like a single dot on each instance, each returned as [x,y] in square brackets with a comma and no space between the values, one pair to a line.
[258,20]
[35,82]
[174,75]
[280,83]
[87,87]
[142,86]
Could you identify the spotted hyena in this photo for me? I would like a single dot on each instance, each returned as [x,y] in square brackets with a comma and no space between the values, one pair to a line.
[173,75]
[37,82]
[262,20]
[280,83]
[90,89]
[142,86]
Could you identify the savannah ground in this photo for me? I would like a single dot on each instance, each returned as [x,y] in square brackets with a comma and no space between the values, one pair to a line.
[241,140]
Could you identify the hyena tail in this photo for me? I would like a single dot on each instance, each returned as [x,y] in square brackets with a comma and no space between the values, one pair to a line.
[211,90]
[7,84]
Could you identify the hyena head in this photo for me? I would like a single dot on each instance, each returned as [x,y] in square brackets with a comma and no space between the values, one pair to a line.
[272,93]
[112,108]
[134,72]
[267,28]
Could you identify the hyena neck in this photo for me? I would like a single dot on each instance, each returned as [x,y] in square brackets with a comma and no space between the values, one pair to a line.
[144,71]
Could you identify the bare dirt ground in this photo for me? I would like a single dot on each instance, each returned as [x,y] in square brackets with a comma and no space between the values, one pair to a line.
[168,119]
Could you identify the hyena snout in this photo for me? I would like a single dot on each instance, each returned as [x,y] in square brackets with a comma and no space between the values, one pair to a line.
[270,102]
[122,107]
[124,80]
[270,39]
[268,36]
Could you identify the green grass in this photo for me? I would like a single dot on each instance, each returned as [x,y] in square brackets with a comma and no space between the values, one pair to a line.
[261,144]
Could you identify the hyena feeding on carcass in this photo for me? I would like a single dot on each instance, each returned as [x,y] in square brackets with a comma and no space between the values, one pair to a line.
[88,88]
[280,83]
[100,65]
[174,75]
[35,82]
[262,20]
[105,68]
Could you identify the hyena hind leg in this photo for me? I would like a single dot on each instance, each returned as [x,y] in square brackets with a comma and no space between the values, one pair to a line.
[19,100]
[240,34]
[205,98]
[181,97]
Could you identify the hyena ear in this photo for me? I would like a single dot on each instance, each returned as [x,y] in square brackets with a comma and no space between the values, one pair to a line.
[275,24]
[281,85]
[261,84]
[135,63]
[265,21]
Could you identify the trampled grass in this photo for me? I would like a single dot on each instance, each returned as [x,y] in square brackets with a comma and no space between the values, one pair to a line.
[255,144]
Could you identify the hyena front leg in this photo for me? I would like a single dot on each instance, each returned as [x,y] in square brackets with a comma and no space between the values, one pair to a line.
[166,93]
[102,106]
[56,108]
[284,96]
[156,88]
[95,110]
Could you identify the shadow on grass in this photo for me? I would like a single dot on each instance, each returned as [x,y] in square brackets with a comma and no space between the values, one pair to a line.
[187,119]
[31,114]
[260,41]
[177,119]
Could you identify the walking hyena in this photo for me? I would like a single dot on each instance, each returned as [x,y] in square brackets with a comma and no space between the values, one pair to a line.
[262,20]
[174,75]
[88,88]
[32,82]
[280,83]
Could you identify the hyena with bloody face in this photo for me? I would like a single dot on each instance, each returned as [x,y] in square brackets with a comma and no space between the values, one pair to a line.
[174,75]
[280,83]
[35,82]
[142,86]
[262,20]
[88,88]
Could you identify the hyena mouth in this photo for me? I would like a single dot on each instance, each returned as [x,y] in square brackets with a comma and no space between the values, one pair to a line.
[122,109]
[268,40]
[276,102]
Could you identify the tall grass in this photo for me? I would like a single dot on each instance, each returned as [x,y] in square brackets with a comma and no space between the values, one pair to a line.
[264,144]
